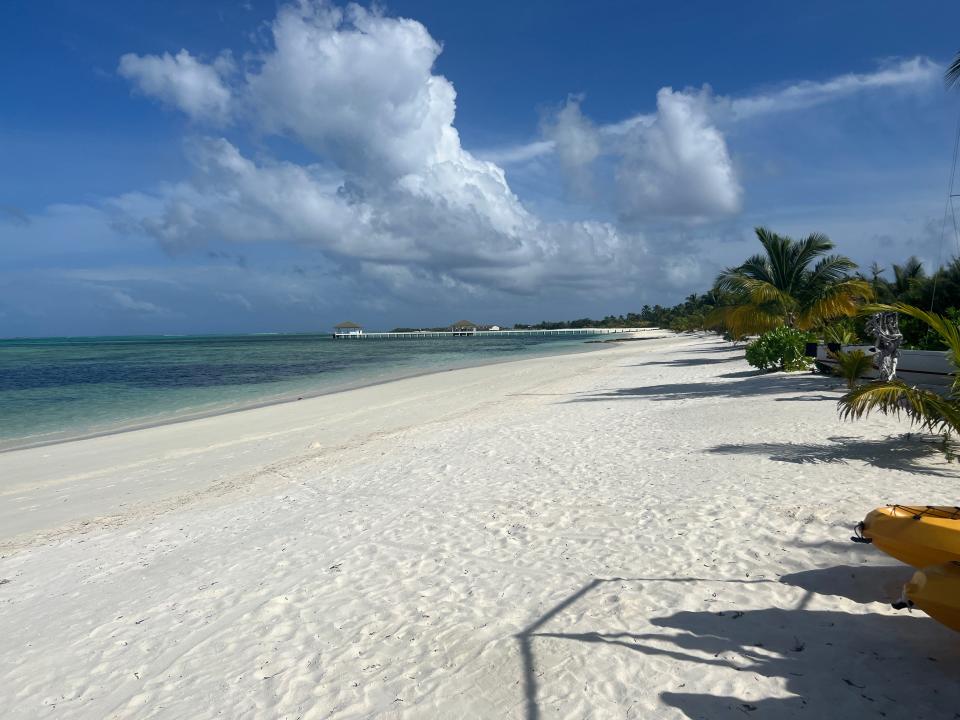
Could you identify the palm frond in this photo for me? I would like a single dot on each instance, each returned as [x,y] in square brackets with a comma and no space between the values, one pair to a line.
[893,397]
[811,247]
[852,365]
[746,319]
[840,331]
[730,281]
[841,299]
[952,74]
[761,293]
[779,257]
[941,325]
[756,267]
[831,269]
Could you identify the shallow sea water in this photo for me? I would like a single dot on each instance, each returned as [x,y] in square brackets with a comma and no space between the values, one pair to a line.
[59,388]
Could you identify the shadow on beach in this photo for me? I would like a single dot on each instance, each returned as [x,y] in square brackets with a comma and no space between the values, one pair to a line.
[740,374]
[829,664]
[715,347]
[909,452]
[688,362]
[749,385]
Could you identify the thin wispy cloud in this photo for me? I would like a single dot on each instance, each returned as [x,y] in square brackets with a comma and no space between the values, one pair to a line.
[128,302]
[912,73]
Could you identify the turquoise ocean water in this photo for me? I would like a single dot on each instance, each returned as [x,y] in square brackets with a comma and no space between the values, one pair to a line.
[60,388]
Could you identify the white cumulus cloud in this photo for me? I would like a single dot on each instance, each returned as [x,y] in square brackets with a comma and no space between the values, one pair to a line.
[678,165]
[577,144]
[183,82]
[392,193]
[357,87]
[672,164]
[675,162]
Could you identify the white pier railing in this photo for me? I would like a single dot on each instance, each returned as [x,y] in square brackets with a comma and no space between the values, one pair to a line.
[424,334]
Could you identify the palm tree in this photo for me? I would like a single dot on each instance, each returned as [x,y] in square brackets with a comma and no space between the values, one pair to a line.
[881,288]
[783,286]
[925,408]
[904,276]
[876,270]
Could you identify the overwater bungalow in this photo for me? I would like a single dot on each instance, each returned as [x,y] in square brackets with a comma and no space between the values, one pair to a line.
[347,329]
[463,327]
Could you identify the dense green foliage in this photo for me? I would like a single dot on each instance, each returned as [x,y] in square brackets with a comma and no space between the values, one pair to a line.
[690,315]
[780,349]
[908,283]
[610,321]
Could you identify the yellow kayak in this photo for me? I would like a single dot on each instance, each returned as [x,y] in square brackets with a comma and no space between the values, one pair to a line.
[936,591]
[920,535]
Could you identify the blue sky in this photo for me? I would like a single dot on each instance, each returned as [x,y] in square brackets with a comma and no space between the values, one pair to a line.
[260,166]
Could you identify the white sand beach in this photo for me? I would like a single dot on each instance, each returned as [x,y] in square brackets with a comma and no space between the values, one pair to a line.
[647,531]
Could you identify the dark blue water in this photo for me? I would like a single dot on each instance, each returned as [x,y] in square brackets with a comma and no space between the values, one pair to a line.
[58,388]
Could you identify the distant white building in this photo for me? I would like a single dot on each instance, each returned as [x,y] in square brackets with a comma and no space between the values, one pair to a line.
[494,327]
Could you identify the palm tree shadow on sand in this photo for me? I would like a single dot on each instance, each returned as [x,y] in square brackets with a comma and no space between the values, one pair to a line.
[744,385]
[689,362]
[910,452]
[827,664]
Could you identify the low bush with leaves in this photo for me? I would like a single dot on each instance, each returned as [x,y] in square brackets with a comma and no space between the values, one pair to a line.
[852,365]
[841,331]
[780,349]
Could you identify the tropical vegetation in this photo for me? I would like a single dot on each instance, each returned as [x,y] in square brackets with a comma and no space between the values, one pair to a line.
[938,292]
[780,349]
[792,283]
[929,410]
[801,284]
[852,365]
[908,283]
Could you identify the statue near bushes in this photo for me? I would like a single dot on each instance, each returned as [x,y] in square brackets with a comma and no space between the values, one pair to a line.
[885,327]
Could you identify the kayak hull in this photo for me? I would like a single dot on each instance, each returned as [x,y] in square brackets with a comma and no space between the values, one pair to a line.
[919,535]
[936,591]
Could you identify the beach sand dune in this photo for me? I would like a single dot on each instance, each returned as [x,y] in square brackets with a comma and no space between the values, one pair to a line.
[650,530]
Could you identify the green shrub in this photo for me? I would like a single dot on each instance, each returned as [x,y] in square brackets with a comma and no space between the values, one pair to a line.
[841,332]
[780,349]
[852,365]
